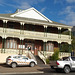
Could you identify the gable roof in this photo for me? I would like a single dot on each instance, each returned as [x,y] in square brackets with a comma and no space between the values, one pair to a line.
[31,13]
[47,22]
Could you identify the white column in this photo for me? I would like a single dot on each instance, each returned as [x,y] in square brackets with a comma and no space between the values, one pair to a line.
[59,45]
[69,33]
[4,25]
[22,24]
[59,32]
[45,31]
[44,46]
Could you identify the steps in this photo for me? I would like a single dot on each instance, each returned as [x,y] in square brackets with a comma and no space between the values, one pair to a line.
[39,61]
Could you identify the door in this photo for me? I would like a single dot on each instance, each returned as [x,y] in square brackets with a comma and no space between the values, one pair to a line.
[36,50]
[73,62]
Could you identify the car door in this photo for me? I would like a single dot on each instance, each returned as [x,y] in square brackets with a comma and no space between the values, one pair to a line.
[19,61]
[25,60]
[73,62]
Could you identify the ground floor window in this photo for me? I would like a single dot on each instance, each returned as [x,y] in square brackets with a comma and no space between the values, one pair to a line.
[11,43]
[50,47]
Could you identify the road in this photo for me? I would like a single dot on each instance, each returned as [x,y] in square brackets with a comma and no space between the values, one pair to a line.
[52,72]
[72,73]
[45,70]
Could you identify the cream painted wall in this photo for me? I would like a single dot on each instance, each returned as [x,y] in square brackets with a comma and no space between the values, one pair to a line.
[3,57]
[31,14]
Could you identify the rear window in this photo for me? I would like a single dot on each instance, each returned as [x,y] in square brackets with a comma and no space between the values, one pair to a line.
[15,57]
[9,57]
[64,58]
[73,58]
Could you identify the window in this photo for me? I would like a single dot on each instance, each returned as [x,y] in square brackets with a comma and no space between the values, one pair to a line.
[19,57]
[15,57]
[9,57]
[73,58]
[11,26]
[50,47]
[23,57]
[11,43]
[8,44]
[14,45]
[47,47]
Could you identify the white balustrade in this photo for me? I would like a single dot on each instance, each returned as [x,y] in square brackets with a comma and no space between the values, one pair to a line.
[31,55]
[65,36]
[16,33]
[51,35]
[13,31]
[41,55]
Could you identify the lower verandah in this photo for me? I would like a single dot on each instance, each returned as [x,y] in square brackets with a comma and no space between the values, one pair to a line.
[12,45]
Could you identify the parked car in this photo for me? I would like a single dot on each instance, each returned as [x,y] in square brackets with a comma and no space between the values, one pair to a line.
[20,60]
[67,64]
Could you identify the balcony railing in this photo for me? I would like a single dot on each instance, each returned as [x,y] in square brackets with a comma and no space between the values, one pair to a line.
[32,34]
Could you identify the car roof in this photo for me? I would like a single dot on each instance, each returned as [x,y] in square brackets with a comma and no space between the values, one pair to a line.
[17,55]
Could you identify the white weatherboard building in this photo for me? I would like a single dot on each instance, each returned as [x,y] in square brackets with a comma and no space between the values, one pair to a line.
[30,31]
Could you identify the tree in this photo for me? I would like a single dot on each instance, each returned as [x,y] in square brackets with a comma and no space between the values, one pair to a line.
[64,47]
[73,41]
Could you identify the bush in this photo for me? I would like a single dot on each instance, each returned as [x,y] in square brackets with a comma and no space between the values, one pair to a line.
[47,60]
[55,56]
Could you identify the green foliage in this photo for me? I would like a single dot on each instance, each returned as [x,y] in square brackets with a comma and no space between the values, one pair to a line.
[55,56]
[47,60]
[73,43]
[66,32]
[64,47]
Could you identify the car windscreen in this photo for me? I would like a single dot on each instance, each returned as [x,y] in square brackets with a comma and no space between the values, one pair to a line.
[73,58]
[9,57]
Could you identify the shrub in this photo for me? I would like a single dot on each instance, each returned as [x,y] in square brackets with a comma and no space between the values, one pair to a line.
[55,56]
[47,60]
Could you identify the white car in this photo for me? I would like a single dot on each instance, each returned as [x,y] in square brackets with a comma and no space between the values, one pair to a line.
[19,60]
[65,65]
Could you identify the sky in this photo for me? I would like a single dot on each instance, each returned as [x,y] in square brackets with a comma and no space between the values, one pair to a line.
[62,11]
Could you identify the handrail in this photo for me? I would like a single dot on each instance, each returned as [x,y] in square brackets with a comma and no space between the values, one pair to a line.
[41,55]
[31,55]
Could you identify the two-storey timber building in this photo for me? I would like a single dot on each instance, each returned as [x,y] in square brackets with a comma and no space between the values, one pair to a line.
[31,30]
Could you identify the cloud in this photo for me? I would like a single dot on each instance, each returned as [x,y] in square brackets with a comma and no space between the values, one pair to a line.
[62,1]
[69,15]
[70,1]
[8,11]
[58,1]
[67,10]
[24,4]
[43,9]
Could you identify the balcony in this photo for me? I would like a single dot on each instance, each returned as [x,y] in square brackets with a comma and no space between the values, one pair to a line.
[32,34]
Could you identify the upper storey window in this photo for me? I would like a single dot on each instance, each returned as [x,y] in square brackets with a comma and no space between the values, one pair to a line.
[11,26]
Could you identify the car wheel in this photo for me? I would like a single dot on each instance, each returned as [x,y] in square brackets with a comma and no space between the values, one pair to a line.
[13,65]
[32,64]
[67,69]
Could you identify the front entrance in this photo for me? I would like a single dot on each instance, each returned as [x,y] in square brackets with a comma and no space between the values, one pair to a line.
[36,51]
[34,46]
[29,46]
